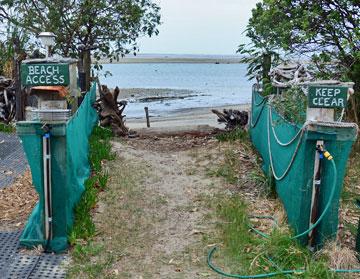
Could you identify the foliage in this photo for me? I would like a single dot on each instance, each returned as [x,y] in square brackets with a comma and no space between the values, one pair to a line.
[100,149]
[262,52]
[5,128]
[291,104]
[14,41]
[111,27]
[325,31]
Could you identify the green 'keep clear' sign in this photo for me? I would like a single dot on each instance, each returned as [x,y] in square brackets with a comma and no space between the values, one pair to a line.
[327,97]
[45,74]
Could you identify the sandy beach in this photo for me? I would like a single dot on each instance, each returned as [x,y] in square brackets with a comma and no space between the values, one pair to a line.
[184,119]
[174,119]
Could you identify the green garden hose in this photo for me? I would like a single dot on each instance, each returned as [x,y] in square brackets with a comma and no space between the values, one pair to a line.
[284,272]
[264,275]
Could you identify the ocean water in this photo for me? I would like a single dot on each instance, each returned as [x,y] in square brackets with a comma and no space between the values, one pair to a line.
[215,84]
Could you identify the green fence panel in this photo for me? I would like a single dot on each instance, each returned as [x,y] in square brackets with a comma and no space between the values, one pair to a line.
[69,167]
[288,153]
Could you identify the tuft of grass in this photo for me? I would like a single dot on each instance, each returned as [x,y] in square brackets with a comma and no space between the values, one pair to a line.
[234,135]
[245,252]
[100,150]
[6,128]
[229,168]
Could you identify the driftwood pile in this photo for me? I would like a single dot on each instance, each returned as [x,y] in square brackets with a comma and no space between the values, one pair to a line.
[7,100]
[110,110]
[286,75]
[232,118]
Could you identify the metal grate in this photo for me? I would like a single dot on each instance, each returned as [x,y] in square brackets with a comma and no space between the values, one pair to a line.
[20,267]
[50,266]
[14,265]
[9,242]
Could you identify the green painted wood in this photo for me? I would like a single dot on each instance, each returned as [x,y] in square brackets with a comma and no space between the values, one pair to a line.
[45,74]
[327,96]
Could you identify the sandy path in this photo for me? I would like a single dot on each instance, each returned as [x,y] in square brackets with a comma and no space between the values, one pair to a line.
[176,249]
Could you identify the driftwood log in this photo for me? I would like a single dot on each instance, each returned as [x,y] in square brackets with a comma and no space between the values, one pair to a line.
[7,100]
[110,110]
[232,118]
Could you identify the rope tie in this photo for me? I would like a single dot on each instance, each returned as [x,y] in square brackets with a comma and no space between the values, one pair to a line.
[280,177]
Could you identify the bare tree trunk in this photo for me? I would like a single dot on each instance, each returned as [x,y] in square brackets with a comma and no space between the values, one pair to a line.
[266,65]
[87,67]
[20,100]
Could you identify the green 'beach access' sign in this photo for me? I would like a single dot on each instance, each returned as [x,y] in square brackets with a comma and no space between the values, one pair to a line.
[45,74]
[327,97]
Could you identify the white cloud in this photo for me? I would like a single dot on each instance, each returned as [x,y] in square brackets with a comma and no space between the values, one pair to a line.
[200,27]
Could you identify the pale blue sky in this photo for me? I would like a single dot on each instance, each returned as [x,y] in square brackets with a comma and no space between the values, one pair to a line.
[200,27]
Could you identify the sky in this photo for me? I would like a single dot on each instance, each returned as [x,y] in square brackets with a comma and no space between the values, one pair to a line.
[200,27]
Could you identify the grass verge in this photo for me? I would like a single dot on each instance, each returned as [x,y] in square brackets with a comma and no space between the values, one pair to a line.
[246,253]
[237,134]
[114,239]
[100,150]
[241,165]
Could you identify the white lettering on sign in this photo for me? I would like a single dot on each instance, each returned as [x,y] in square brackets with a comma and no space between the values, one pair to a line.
[28,80]
[45,74]
[327,92]
[328,102]
[327,96]
[341,102]
[43,70]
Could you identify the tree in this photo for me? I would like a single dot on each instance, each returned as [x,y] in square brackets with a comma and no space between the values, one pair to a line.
[13,43]
[326,31]
[109,28]
[262,52]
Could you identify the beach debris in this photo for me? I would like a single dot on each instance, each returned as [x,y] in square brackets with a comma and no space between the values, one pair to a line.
[232,118]
[110,110]
[7,100]
[288,74]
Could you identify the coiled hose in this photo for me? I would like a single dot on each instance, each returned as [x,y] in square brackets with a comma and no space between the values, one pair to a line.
[292,271]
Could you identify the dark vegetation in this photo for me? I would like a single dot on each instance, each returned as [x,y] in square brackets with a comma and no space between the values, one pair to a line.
[291,105]
[6,128]
[81,28]
[324,31]
[100,150]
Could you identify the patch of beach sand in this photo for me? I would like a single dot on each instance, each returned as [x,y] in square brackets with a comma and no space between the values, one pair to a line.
[182,119]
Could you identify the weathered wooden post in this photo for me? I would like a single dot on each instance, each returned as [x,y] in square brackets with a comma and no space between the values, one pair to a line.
[147,117]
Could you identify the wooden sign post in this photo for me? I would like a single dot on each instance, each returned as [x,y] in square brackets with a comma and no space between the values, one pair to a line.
[322,101]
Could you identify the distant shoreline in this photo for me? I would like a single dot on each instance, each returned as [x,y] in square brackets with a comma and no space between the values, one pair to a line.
[170,61]
[185,59]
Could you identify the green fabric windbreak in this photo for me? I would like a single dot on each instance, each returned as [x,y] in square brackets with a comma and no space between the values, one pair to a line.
[69,170]
[292,148]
